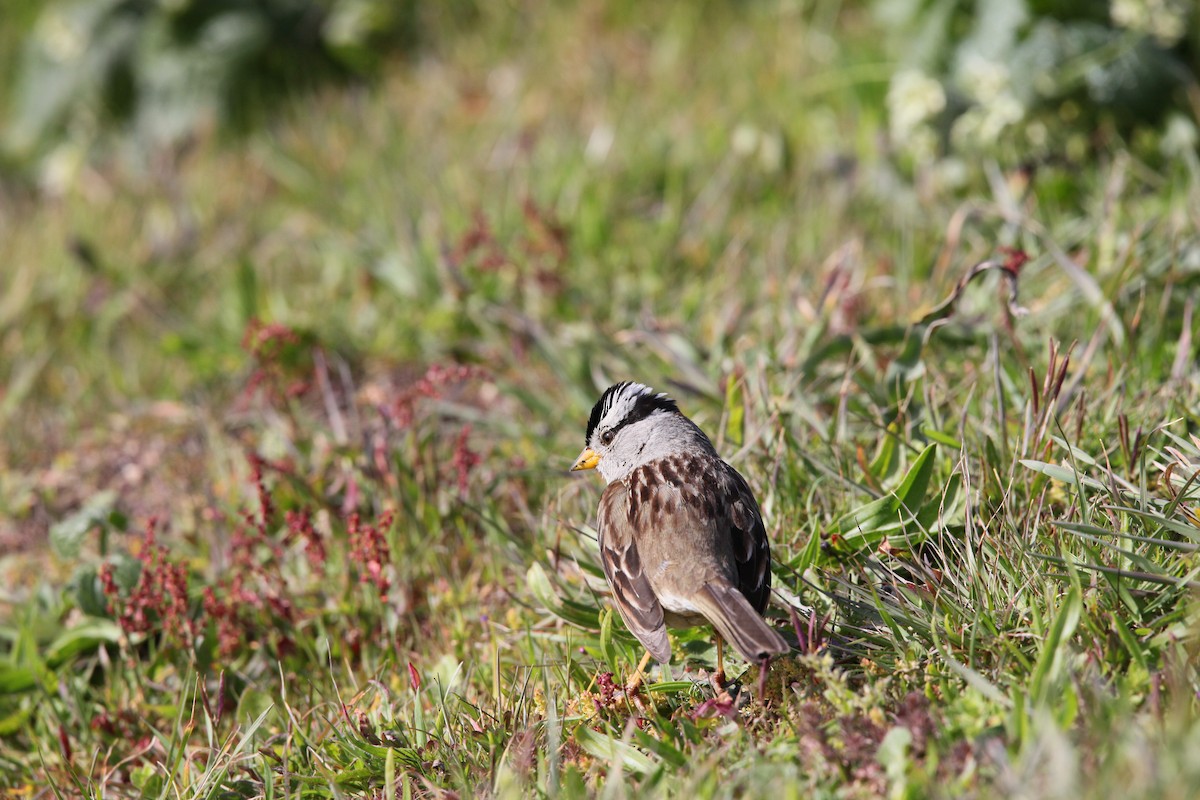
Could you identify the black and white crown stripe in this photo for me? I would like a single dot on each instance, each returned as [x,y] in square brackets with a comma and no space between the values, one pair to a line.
[644,399]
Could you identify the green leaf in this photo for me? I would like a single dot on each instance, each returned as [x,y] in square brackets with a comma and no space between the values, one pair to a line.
[49,83]
[916,483]
[735,423]
[147,779]
[1136,650]
[970,676]
[571,611]
[1175,526]
[613,751]
[671,687]
[539,584]
[14,680]
[808,556]
[607,650]
[1062,474]
[1049,666]
[942,438]
[247,290]
[869,518]
[893,756]
[88,593]
[893,513]
[908,365]
[671,755]
[66,535]
[126,571]
[887,459]
[15,721]
[82,638]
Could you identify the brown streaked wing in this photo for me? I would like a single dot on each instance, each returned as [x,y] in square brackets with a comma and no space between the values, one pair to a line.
[631,591]
[748,537]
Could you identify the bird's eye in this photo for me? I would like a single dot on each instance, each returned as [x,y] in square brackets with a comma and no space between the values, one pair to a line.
[606,438]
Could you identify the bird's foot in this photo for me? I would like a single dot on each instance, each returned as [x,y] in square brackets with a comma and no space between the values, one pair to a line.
[639,676]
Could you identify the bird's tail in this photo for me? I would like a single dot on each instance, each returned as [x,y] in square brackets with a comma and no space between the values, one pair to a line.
[736,620]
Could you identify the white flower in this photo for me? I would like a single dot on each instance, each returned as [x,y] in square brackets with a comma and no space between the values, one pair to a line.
[1179,138]
[60,168]
[1005,110]
[1165,20]
[599,143]
[745,140]
[913,98]
[1037,134]
[771,152]
[951,173]
[982,79]
[922,144]
[965,131]
[981,126]
[61,37]
[1132,14]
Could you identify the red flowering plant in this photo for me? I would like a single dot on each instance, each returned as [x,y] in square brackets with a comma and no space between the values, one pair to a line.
[158,601]
[282,360]
[252,602]
[321,528]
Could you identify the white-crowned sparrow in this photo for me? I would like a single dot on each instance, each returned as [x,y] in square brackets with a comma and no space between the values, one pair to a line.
[682,540]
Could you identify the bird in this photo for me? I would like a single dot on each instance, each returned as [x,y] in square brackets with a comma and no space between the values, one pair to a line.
[682,540]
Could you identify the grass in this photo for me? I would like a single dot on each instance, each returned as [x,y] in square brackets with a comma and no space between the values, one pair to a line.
[287,419]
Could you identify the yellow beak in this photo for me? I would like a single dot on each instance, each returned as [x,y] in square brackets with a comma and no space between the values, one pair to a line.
[587,460]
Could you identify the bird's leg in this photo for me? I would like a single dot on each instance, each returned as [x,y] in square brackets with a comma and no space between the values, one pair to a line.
[719,678]
[636,680]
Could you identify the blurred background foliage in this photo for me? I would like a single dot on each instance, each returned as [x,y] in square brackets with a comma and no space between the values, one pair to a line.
[161,68]
[1036,79]
[1025,79]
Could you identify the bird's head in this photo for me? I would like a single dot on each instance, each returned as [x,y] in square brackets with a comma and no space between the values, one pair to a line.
[630,425]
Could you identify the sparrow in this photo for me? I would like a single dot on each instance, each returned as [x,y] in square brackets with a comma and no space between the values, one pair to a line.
[681,536]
